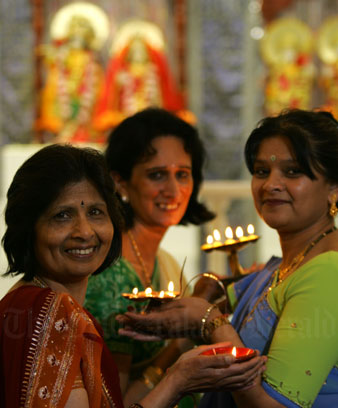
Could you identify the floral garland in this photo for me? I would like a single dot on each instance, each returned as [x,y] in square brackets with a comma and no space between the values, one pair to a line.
[76,85]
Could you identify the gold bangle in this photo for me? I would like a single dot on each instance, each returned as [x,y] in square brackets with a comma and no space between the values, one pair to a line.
[214,324]
[203,322]
[218,280]
[151,376]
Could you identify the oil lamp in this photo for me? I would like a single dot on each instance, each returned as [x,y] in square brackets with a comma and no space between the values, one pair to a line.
[150,294]
[240,353]
[231,245]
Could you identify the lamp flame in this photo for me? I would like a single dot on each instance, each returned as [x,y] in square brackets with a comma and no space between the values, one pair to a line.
[228,233]
[171,286]
[234,352]
[135,291]
[239,232]
[148,291]
[210,239]
[217,235]
[161,295]
[250,229]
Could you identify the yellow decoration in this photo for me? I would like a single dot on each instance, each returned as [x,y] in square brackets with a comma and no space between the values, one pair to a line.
[287,51]
[284,40]
[327,50]
[74,77]
[133,28]
[327,41]
[83,11]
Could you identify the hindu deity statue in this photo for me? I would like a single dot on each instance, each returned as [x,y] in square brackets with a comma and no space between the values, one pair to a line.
[287,51]
[74,81]
[138,75]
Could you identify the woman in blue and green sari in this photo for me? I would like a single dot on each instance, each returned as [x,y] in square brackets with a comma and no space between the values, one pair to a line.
[288,310]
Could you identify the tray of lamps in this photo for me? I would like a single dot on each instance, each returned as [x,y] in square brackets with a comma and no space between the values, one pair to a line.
[152,295]
[214,242]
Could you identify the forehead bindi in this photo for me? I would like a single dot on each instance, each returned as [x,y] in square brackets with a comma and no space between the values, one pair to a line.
[274,149]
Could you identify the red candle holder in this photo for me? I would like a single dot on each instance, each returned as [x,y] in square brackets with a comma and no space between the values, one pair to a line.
[240,353]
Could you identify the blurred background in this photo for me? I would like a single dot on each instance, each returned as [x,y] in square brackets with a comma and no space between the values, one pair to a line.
[70,71]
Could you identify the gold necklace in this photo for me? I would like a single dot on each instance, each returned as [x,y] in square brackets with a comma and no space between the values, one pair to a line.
[39,282]
[282,273]
[146,274]
[279,274]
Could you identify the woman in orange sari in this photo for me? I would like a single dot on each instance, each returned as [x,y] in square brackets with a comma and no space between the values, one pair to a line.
[63,225]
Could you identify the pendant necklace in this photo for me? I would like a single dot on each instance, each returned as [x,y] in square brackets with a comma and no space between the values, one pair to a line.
[39,282]
[146,274]
[280,274]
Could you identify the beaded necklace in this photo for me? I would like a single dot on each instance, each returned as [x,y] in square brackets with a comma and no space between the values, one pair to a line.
[146,274]
[280,274]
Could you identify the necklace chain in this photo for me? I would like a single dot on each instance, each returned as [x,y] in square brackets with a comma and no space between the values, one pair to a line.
[40,282]
[282,273]
[146,274]
[279,275]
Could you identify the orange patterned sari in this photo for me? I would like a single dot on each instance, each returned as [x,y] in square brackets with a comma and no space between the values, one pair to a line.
[49,345]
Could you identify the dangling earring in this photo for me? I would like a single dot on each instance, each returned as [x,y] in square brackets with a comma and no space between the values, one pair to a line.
[333,207]
[124,198]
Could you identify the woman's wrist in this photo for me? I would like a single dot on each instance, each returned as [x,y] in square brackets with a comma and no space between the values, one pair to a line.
[151,376]
[225,332]
[212,325]
[211,313]
[166,394]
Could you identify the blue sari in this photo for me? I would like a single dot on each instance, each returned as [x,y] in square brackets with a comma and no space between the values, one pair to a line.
[255,321]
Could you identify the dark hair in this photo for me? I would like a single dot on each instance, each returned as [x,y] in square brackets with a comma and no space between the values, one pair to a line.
[313,136]
[130,143]
[37,184]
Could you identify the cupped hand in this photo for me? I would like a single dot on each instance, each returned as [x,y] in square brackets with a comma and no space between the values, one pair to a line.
[178,318]
[194,372]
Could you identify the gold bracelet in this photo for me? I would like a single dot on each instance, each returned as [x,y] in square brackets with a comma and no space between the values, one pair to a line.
[214,324]
[203,322]
[151,376]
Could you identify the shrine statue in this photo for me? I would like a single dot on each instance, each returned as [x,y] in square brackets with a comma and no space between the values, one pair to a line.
[74,78]
[327,50]
[138,76]
[287,51]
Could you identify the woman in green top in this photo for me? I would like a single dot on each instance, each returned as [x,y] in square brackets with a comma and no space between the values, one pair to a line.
[156,161]
[289,310]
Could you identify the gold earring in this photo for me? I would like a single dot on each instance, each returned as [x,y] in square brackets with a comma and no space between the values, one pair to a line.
[125,198]
[333,207]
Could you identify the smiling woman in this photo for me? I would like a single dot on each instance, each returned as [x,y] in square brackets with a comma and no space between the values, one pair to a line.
[156,160]
[71,239]
[63,225]
[55,242]
[289,309]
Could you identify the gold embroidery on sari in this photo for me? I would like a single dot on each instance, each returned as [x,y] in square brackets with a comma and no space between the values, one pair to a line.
[89,378]
[106,395]
[52,360]
[67,358]
[51,342]
[31,357]
[43,393]
[63,336]
[78,382]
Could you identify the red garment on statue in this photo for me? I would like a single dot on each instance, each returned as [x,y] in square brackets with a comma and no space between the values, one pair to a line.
[155,87]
